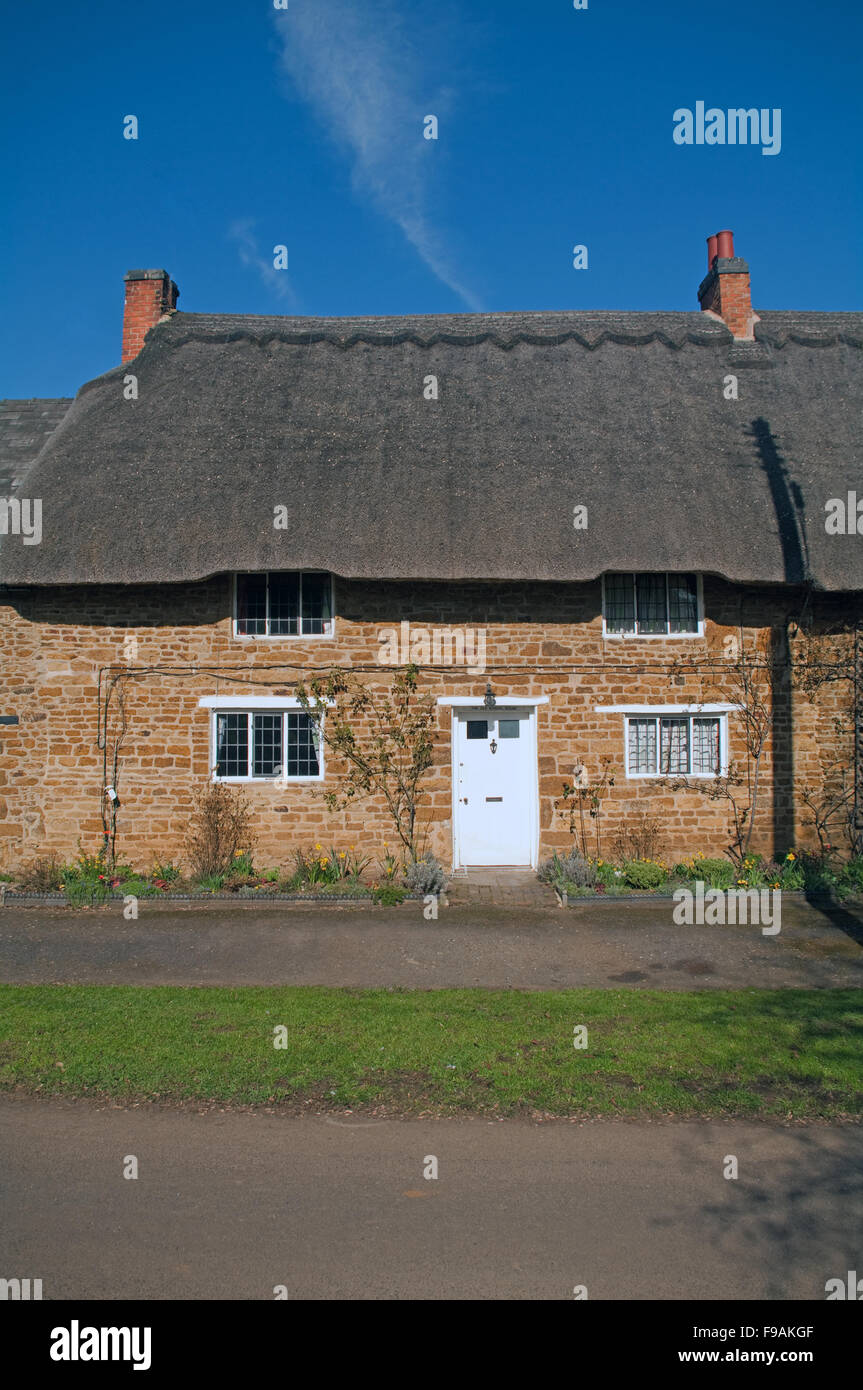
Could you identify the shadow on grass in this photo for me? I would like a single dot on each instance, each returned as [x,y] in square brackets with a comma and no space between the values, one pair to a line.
[805,1202]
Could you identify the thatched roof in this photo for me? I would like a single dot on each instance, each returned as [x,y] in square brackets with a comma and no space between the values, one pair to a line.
[537,413]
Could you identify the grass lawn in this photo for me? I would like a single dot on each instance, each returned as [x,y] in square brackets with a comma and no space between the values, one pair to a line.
[783,1053]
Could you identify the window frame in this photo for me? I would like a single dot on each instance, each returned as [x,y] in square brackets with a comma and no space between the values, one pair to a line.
[657,715]
[249,709]
[326,636]
[656,636]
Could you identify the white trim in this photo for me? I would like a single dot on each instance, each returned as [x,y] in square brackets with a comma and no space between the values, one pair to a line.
[505,701]
[667,709]
[284,705]
[656,636]
[473,702]
[283,636]
[635,711]
[239,703]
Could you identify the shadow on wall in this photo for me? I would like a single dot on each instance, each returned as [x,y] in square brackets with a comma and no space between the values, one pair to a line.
[790,512]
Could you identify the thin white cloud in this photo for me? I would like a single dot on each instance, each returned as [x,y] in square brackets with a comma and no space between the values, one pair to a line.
[361,75]
[250,255]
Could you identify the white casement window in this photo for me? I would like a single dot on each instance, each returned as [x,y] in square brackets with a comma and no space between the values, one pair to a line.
[284,603]
[683,745]
[651,605]
[265,744]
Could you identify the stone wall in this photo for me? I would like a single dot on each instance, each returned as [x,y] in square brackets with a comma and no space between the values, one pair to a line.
[162,649]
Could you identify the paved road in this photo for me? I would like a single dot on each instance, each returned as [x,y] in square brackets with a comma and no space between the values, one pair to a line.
[229,1205]
[603,945]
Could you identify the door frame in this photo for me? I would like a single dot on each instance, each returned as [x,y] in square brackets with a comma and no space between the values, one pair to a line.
[473,702]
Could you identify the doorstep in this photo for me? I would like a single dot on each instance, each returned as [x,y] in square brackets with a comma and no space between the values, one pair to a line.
[498,886]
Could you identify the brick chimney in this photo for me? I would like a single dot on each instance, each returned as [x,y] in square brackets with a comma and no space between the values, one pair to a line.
[724,291]
[150,295]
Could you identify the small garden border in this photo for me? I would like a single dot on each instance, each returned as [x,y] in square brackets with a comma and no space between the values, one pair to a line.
[564,900]
[10,897]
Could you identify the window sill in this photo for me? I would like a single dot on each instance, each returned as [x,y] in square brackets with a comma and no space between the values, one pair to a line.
[284,637]
[277,783]
[672,776]
[651,636]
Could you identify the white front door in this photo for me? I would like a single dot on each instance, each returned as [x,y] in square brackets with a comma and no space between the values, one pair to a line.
[495,776]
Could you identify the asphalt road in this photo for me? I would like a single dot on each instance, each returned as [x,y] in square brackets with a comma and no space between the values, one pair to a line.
[603,945]
[230,1205]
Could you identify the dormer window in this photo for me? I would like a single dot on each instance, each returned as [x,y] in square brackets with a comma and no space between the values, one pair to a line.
[651,605]
[284,603]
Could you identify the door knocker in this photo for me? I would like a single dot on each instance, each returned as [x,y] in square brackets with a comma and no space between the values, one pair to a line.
[493,746]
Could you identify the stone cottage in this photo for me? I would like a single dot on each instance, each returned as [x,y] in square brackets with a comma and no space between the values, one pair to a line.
[602,538]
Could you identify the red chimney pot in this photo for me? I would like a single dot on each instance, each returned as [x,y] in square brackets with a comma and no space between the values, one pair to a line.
[725,245]
[725,292]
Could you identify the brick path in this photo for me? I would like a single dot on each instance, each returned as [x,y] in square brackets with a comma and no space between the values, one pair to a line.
[500,886]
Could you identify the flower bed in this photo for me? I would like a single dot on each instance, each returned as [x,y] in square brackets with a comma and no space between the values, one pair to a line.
[319,875]
[575,877]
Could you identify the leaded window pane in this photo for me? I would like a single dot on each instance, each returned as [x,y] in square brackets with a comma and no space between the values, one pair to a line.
[302,749]
[266,745]
[705,745]
[682,603]
[316,603]
[284,605]
[674,745]
[642,745]
[232,745]
[252,604]
[619,603]
[650,603]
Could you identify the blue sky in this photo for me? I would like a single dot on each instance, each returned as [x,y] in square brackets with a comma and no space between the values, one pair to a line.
[305,128]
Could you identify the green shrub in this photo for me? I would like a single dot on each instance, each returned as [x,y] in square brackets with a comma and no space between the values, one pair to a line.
[713,873]
[388,894]
[644,873]
[138,887]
